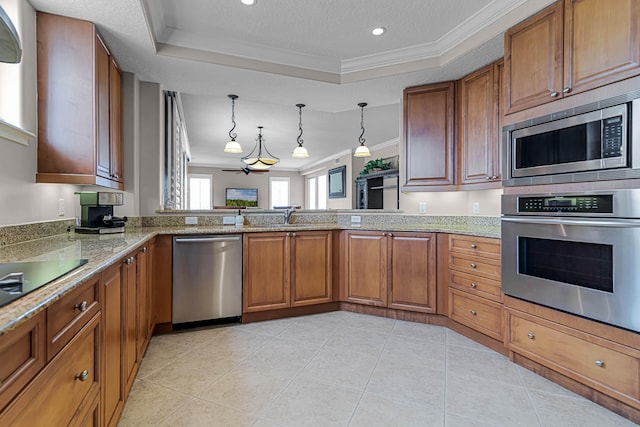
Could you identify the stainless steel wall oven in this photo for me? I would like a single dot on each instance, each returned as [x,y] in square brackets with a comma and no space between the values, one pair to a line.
[578,253]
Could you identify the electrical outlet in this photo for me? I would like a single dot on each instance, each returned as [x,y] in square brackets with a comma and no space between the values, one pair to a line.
[476,207]
[191,220]
[228,220]
[60,207]
[356,219]
[422,207]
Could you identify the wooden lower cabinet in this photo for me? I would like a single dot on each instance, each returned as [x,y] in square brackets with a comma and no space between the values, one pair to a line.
[113,387]
[70,382]
[604,365]
[476,312]
[130,320]
[143,296]
[367,266]
[286,269]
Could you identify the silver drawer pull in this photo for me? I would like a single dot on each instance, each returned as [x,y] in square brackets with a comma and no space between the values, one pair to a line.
[531,336]
[599,363]
[473,312]
[472,265]
[473,246]
[82,376]
[473,285]
[554,94]
[81,307]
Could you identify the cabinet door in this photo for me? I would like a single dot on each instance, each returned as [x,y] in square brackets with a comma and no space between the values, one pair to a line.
[129,327]
[115,121]
[102,106]
[413,272]
[533,60]
[477,126]
[113,389]
[367,267]
[601,42]
[428,136]
[266,278]
[310,267]
[143,305]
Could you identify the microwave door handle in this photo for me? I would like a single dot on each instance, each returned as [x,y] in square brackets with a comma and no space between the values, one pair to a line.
[581,222]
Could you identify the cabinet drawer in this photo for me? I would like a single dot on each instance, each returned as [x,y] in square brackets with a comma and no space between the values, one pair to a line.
[69,314]
[476,285]
[477,313]
[486,267]
[604,365]
[60,390]
[471,245]
[22,352]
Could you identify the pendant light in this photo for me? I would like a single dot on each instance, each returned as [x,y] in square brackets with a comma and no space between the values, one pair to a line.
[300,152]
[362,150]
[260,158]
[232,146]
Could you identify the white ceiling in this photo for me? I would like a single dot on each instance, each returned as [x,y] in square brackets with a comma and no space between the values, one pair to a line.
[283,52]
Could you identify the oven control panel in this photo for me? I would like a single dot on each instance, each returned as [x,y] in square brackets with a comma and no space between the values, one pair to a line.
[568,204]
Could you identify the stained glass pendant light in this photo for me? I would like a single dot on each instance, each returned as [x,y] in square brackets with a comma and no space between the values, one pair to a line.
[362,150]
[260,158]
[233,146]
[300,152]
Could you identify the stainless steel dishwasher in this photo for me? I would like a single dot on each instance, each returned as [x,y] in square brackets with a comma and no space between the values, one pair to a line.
[207,277]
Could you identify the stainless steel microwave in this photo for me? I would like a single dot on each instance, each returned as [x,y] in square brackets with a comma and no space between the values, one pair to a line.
[591,142]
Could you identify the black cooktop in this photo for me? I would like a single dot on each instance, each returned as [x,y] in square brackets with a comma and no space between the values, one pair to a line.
[17,279]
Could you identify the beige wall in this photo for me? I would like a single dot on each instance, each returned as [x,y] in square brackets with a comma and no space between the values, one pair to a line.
[322,169]
[223,180]
[23,200]
[453,202]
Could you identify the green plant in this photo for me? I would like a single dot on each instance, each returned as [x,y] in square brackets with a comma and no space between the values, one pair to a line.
[378,164]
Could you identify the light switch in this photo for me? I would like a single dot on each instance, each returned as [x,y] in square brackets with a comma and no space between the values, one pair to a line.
[422,207]
[476,207]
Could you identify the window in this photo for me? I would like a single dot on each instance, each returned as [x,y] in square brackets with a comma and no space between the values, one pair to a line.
[200,191]
[278,191]
[317,192]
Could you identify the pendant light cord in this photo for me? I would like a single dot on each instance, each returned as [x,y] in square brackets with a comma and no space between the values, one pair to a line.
[299,139]
[233,135]
[361,139]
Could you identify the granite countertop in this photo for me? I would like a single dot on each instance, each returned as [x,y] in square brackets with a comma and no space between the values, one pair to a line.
[104,250]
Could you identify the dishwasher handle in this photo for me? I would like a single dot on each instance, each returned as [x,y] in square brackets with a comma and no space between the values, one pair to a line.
[208,239]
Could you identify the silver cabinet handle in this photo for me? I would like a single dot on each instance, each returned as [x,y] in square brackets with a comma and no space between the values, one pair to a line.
[472,265]
[473,312]
[390,235]
[293,234]
[207,239]
[487,177]
[384,234]
[554,94]
[495,177]
[473,285]
[599,363]
[81,307]
[473,246]
[531,336]
[144,250]
[566,90]
[82,376]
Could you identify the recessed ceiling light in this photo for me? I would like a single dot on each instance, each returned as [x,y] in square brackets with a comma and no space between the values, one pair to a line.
[378,31]
[249,2]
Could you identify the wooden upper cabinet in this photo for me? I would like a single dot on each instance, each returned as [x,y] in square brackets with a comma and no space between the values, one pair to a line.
[367,259]
[533,60]
[115,121]
[601,42]
[478,126]
[78,105]
[570,47]
[428,136]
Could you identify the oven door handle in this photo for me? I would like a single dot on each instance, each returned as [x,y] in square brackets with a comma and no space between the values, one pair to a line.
[609,222]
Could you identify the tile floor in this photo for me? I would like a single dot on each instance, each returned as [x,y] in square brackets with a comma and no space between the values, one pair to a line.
[343,369]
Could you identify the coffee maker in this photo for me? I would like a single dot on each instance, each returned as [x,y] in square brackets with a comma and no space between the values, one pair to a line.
[96,213]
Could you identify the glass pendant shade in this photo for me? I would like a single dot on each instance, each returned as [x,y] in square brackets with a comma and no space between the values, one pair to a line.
[362,150]
[260,158]
[300,153]
[233,146]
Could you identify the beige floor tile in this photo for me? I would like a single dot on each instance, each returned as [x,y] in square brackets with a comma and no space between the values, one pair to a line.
[234,344]
[555,410]
[372,323]
[423,387]
[342,367]
[452,420]
[191,372]
[377,411]
[269,327]
[311,333]
[489,401]
[159,354]
[534,382]
[261,422]
[149,404]
[360,340]
[247,388]
[482,364]
[193,338]
[199,413]
[420,331]
[414,354]
[284,355]
[307,402]
[458,340]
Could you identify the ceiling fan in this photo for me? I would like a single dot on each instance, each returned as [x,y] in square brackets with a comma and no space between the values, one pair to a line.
[246,171]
